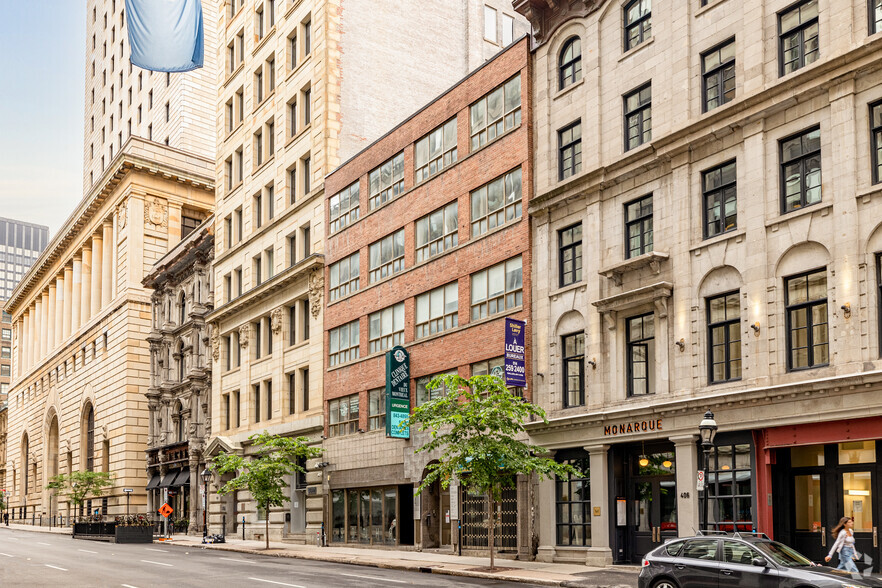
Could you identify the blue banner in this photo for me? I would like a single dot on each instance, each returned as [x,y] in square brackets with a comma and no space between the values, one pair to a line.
[515,352]
[166,35]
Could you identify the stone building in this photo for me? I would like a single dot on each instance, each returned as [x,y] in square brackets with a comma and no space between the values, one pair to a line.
[305,85]
[179,395]
[712,244]
[80,359]
[431,257]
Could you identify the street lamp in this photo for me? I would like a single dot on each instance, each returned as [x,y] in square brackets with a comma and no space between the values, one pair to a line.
[206,476]
[707,430]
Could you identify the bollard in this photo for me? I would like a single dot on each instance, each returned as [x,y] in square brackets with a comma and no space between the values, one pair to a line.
[224,527]
[243,528]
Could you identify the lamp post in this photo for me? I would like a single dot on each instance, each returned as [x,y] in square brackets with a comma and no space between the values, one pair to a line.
[707,430]
[206,476]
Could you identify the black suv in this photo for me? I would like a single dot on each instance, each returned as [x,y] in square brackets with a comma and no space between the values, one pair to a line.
[740,559]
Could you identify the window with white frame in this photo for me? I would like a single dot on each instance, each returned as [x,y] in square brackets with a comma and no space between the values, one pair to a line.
[377,409]
[344,207]
[496,203]
[386,181]
[343,416]
[437,232]
[495,113]
[435,151]
[386,328]
[343,344]
[436,310]
[344,277]
[497,288]
[387,256]
[424,394]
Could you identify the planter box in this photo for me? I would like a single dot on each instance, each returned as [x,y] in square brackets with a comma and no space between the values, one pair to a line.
[94,529]
[134,534]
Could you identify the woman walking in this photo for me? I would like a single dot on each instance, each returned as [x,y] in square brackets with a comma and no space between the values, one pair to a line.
[844,545]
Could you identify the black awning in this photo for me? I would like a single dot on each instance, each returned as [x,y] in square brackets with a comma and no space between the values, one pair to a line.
[154,482]
[168,480]
[183,478]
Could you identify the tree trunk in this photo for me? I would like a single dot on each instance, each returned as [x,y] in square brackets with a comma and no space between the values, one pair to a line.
[266,535]
[492,522]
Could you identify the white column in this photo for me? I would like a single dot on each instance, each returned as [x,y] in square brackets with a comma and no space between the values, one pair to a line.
[38,329]
[107,263]
[44,325]
[68,299]
[24,341]
[50,324]
[546,520]
[86,285]
[59,309]
[686,458]
[76,292]
[600,552]
[97,256]
[113,255]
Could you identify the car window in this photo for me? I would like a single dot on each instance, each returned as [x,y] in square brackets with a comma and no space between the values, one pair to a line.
[783,555]
[700,549]
[739,553]
[673,548]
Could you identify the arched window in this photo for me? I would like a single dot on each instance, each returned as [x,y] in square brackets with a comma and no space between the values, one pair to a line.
[179,422]
[89,426]
[571,62]
[25,479]
[179,353]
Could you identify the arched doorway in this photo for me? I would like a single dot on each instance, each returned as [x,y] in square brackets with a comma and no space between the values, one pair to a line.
[434,515]
[51,466]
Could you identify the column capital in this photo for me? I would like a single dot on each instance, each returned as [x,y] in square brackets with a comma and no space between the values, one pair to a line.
[594,449]
[684,439]
[78,256]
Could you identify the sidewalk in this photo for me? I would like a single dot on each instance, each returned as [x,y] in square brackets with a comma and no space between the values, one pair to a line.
[36,529]
[570,575]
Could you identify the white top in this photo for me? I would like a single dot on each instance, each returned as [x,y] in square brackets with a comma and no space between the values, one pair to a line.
[845,539]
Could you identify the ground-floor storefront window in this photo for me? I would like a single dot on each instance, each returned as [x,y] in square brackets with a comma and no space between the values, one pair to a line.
[365,515]
[729,488]
[573,505]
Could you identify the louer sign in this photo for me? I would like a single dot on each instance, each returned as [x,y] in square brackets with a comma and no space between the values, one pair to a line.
[397,393]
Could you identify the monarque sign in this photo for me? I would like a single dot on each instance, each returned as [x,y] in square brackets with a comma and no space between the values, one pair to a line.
[632,427]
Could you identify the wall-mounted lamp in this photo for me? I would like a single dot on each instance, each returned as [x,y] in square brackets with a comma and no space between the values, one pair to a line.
[681,344]
[756,328]
[593,363]
[846,310]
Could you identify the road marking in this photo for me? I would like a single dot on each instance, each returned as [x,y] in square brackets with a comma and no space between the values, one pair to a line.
[86,551]
[6,555]
[55,567]
[41,543]
[159,550]
[238,560]
[279,583]
[159,563]
[128,586]
[374,578]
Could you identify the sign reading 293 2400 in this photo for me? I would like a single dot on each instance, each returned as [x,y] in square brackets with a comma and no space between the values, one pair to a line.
[397,393]
[515,352]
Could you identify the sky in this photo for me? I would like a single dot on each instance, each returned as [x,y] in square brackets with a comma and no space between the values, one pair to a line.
[42,92]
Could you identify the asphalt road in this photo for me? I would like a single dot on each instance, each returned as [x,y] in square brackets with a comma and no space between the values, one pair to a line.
[43,559]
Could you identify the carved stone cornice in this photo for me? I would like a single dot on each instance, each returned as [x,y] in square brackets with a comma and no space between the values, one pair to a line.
[546,16]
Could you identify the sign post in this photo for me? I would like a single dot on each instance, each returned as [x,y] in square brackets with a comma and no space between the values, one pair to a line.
[128,492]
[397,392]
[700,481]
[515,353]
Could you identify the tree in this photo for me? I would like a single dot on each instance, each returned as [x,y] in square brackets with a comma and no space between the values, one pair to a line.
[76,486]
[475,425]
[263,474]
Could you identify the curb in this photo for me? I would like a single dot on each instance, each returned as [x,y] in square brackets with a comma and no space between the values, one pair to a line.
[415,567]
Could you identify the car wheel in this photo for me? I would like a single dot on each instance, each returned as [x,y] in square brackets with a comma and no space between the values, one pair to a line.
[664,583]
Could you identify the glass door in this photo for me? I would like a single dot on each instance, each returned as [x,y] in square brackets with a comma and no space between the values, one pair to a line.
[810,532]
[857,476]
[653,517]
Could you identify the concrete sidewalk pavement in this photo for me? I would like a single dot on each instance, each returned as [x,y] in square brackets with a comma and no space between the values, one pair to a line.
[536,573]
[37,529]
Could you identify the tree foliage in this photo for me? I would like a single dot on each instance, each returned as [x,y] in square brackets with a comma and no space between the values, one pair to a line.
[263,474]
[77,486]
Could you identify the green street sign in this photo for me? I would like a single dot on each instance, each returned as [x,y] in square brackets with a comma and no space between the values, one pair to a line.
[397,393]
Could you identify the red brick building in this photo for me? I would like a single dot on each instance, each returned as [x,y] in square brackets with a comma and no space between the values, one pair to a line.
[428,247]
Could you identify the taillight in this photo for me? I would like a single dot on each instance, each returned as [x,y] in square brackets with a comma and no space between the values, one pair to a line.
[645,562]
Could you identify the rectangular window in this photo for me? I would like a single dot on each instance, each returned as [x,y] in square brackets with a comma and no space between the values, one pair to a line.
[638,227]
[570,255]
[268,393]
[876,138]
[307,37]
[292,393]
[5,352]
[638,22]
[237,223]
[257,271]
[875,7]
[720,203]
[435,151]
[801,170]
[304,313]
[258,148]
[638,117]
[424,394]
[490,24]
[292,324]
[307,106]
[344,276]
[258,339]
[386,182]
[269,263]
[256,405]
[437,310]
[729,489]
[495,113]
[570,150]
[307,175]
[377,409]
[292,51]
[237,404]
[437,232]
[574,369]
[497,288]
[304,388]
[343,346]
[344,208]
[496,203]
[226,412]
[641,354]
[386,328]
[292,119]
[798,36]
[343,416]
[507,30]
[718,75]
[724,338]
[808,342]
[292,184]
[573,505]
[387,256]
[237,274]
[6,334]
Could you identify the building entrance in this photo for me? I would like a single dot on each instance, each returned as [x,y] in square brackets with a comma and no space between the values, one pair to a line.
[646,502]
